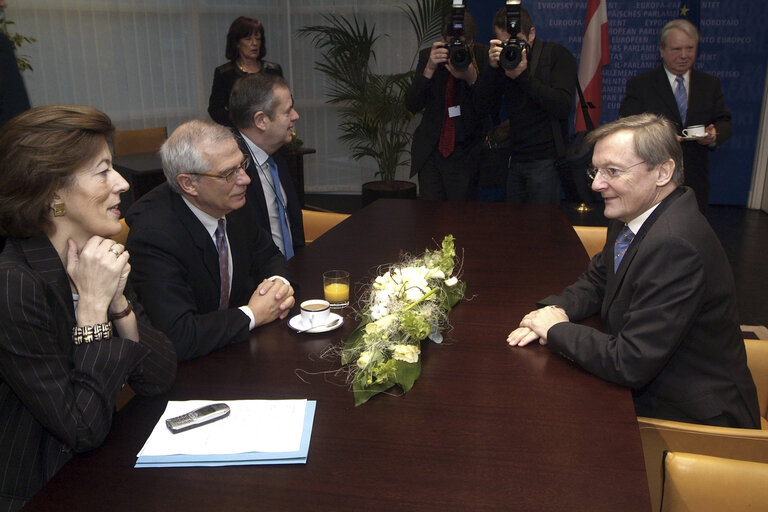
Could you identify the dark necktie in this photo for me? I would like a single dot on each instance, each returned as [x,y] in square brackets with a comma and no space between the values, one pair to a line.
[448,133]
[621,246]
[284,231]
[681,97]
[221,248]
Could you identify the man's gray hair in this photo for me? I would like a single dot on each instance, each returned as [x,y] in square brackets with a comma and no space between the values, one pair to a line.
[680,24]
[654,139]
[251,94]
[182,152]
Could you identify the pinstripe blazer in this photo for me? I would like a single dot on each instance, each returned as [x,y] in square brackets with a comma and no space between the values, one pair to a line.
[57,398]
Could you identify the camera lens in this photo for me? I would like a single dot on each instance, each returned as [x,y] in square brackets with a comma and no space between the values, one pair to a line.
[458,54]
[510,57]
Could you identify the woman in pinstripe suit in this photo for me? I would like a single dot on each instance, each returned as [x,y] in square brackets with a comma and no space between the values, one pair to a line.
[69,336]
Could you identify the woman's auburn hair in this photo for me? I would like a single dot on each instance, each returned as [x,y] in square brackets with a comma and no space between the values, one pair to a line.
[42,148]
[240,28]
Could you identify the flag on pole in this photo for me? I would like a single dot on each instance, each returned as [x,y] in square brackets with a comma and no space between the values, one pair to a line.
[595,53]
[691,11]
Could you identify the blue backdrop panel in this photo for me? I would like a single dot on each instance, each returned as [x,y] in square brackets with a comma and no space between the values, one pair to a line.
[733,47]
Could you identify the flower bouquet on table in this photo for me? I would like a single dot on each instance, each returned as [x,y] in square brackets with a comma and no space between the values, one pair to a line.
[407,303]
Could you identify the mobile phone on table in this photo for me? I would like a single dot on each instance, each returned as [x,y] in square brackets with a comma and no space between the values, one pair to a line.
[198,417]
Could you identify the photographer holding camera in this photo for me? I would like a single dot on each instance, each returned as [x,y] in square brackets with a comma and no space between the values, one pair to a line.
[446,144]
[537,82]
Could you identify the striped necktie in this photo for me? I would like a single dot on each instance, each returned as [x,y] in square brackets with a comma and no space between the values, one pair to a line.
[223,250]
[621,246]
[681,97]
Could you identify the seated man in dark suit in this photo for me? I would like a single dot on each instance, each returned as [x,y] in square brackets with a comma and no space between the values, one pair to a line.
[205,274]
[261,109]
[662,285]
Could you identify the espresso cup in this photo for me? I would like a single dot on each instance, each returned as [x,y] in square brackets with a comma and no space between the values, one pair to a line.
[314,312]
[695,131]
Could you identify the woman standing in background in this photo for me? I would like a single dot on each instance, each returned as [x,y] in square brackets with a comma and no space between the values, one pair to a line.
[246,49]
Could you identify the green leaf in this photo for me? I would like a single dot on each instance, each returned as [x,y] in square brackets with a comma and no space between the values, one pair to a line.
[453,294]
[351,350]
[407,373]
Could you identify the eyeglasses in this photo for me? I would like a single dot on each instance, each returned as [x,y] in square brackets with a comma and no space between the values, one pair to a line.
[229,174]
[610,172]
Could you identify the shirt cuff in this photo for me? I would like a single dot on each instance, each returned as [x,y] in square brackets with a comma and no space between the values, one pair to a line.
[249,314]
[287,282]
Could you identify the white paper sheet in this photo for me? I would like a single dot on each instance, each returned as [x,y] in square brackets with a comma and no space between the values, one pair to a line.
[252,426]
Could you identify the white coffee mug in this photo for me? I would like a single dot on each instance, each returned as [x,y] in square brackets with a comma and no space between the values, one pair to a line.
[695,131]
[314,312]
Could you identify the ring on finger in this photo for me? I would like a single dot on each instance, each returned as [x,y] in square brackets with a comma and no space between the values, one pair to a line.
[114,250]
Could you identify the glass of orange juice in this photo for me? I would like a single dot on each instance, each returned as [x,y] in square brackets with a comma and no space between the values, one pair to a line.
[336,288]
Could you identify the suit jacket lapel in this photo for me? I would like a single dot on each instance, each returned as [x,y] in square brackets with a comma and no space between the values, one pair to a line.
[614,281]
[667,95]
[43,259]
[238,246]
[254,192]
[200,237]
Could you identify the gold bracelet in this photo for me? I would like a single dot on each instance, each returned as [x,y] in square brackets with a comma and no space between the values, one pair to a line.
[89,333]
[124,313]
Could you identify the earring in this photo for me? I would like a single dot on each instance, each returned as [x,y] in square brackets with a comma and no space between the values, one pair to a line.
[59,209]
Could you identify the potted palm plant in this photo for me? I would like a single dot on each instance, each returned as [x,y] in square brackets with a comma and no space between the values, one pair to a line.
[374,120]
[16,39]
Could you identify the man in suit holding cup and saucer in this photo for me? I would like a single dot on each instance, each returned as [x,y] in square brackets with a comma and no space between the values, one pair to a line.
[691,99]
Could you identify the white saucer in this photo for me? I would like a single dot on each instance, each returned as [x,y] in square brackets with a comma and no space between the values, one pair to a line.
[296,324]
[693,137]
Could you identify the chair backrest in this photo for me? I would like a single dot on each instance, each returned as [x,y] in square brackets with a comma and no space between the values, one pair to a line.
[148,140]
[122,236]
[701,483]
[757,360]
[659,436]
[317,223]
[592,238]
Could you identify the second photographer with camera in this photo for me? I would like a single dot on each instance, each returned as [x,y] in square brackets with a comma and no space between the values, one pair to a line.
[537,82]
[447,142]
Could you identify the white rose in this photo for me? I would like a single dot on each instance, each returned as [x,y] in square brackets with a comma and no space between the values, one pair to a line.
[407,353]
[385,321]
[364,359]
[435,273]
[413,294]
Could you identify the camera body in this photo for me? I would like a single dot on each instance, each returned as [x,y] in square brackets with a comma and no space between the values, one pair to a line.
[512,50]
[459,53]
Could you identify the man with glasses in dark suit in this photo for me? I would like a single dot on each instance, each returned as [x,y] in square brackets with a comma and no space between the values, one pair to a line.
[662,285]
[206,275]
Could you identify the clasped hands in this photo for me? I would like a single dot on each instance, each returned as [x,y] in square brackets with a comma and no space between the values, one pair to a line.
[98,271]
[271,300]
[535,325]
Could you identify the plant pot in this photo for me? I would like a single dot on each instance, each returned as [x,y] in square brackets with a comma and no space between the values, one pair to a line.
[397,189]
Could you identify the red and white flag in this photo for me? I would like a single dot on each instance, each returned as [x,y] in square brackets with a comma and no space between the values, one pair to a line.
[595,53]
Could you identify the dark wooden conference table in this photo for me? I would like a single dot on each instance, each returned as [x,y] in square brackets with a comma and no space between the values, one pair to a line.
[486,426]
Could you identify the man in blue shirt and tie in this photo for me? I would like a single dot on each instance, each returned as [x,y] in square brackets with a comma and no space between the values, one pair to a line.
[261,110]
[662,285]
